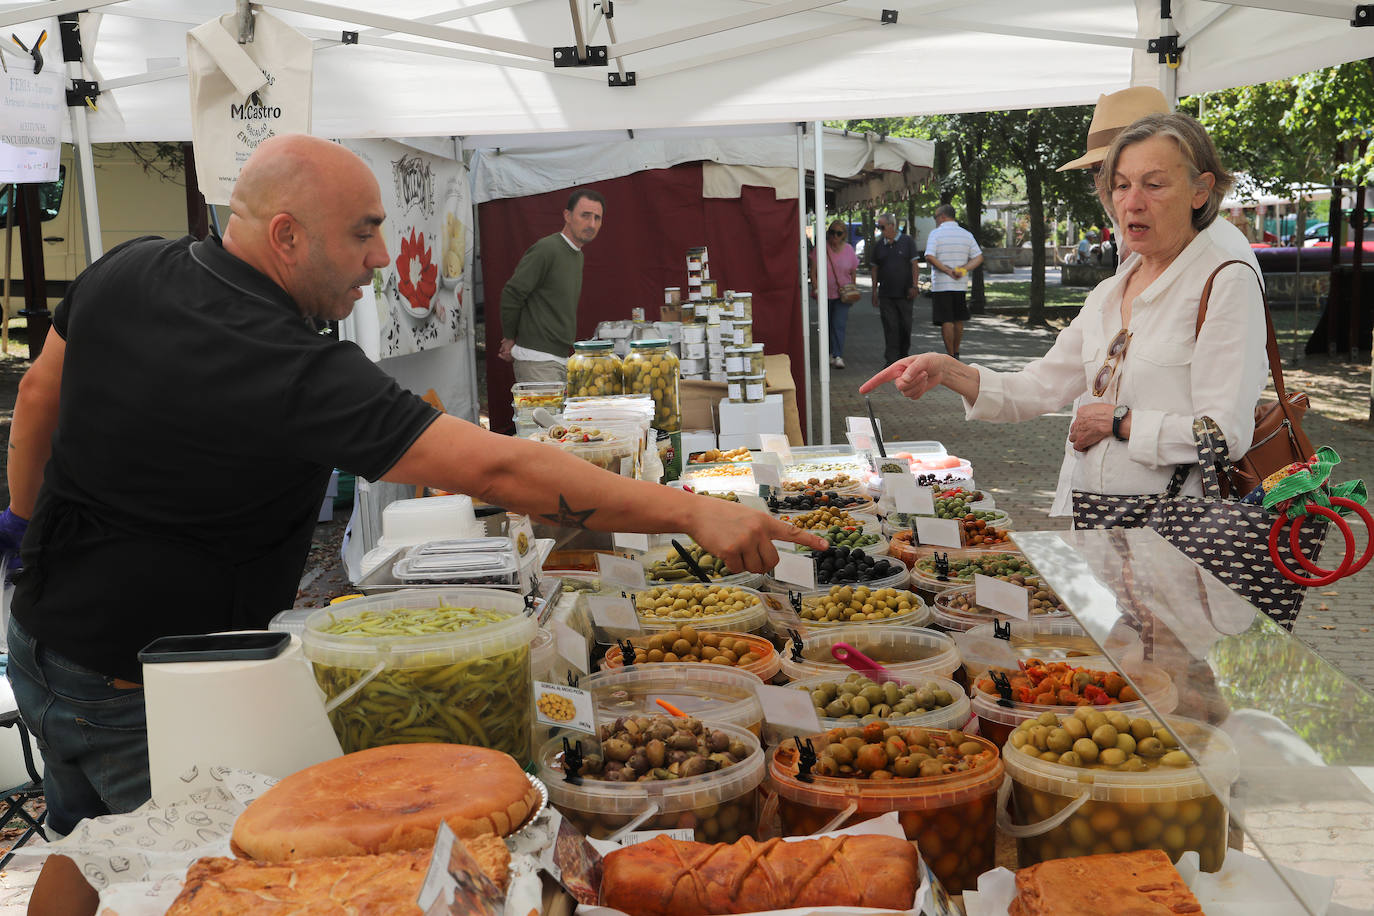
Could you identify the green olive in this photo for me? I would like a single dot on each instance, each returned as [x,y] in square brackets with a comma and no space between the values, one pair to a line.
[1112,757]
[1176,759]
[1087,749]
[1104,736]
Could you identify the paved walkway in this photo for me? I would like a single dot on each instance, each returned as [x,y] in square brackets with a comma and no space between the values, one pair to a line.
[1019,462]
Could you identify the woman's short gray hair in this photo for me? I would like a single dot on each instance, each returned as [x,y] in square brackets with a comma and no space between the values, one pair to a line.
[1198,152]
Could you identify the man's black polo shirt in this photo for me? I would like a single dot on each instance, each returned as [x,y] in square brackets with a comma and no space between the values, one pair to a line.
[200,418]
[892,261]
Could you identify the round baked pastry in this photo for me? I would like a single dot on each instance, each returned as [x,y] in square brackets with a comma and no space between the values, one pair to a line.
[386,799]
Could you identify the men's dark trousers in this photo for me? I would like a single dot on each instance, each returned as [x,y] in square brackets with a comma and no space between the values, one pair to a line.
[896,315]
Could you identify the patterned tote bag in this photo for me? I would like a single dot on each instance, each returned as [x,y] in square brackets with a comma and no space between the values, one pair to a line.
[1227,538]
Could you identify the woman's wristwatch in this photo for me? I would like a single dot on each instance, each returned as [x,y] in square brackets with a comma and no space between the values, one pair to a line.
[1117,416]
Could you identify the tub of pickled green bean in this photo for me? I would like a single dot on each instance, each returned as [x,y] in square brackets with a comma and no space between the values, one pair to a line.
[444,664]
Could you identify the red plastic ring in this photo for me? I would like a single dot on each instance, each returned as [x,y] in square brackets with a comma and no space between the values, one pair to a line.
[1328,577]
[1343,503]
[1312,567]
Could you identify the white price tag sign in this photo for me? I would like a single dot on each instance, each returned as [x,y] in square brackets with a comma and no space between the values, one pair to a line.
[753,502]
[789,709]
[686,834]
[793,567]
[1004,597]
[768,474]
[614,613]
[901,488]
[630,540]
[561,706]
[620,571]
[861,441]
[861,425]
[521,534]
[778,444]
[938,532]
[882,465]
[571,645]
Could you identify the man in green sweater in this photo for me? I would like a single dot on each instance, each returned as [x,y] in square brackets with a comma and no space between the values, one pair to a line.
[539,302]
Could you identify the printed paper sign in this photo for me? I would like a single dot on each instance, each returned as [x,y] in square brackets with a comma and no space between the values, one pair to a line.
[754,502]
[456,881]
[620,571]
[891,465]
[861,441]
[571,645]
[938,532]
[906,496]
[778,444]
[561,706]
[861,425]
[629,540]
[32,109]
[522,534]
[768,474]
[613,613]
[686,834]
[789,709]
[793,567]
[1004,597]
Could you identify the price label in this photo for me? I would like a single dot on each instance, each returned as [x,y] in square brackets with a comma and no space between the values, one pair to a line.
[861,441]
[933,899]
[938,532]
[793,567]
[620,571]
[521,534]
[571,645]
[861,425]
[768,474]
[630,540]
[890,464]
[753,502]
[789,709]
[906,496]
[686,834]
[1004,597]
[456,882]
[561,706]
[778,444]
[612,613]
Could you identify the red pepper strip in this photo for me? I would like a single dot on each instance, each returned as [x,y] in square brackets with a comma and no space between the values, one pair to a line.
[1096,695]
[1036,675]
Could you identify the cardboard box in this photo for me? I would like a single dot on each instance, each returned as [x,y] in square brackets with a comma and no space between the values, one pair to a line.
[700,399]
[669,313]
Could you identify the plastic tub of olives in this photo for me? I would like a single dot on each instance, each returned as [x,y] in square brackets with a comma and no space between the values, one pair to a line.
[658,559]
[719,805]
[854,699]
[911,652]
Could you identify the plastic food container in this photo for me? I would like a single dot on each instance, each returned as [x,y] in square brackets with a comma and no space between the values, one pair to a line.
[665,551]
[712,693]
[1169,808]
[955,715]
[922,570]
[500,569]
[465,686]
[919,615]
[719,807]
[896,580]
[764,669]
[995,721]
[894,522]
[526,396]
[956,620]
[594,370]
[652,369]
[751,619]
[911,652]
[542,654]
[755,388]
[952,818]
[616,450]
[1054,639]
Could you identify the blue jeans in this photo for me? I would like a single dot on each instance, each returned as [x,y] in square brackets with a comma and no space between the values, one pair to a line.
[839,319]
[93,735]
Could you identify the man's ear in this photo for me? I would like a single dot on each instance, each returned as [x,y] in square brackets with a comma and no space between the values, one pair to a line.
[285,236]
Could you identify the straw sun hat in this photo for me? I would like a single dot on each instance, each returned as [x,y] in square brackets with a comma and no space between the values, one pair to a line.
[1113,114]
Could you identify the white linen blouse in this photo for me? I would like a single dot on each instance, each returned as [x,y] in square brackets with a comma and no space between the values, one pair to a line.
[1166,377]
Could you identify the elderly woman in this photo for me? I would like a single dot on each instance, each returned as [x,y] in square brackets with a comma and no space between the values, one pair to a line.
[1134,353]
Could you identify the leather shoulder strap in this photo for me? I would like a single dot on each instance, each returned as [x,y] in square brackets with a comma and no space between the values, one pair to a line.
[1271,342]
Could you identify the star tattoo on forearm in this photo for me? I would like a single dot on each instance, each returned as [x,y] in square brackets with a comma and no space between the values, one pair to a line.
[567,517]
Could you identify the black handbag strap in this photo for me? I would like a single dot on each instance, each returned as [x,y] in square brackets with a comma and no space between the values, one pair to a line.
[1211,460]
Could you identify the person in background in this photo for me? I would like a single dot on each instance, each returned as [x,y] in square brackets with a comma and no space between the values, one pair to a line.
[1141,373]
[1085,247]
[951,252]
[1114,113]
[893,270]
[842,264]
[177,495]
[539,301]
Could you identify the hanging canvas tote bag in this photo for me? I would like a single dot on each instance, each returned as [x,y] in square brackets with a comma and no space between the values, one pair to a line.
[1228,538]
[243,94]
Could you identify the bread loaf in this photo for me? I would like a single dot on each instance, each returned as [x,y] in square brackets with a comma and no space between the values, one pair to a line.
[386,799]
[664,877]
[383,885]
[1143,883]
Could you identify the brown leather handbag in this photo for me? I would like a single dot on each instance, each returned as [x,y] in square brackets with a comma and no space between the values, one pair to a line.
[1279,440]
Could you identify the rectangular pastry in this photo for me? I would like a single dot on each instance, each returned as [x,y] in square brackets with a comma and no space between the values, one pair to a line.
[1143,883]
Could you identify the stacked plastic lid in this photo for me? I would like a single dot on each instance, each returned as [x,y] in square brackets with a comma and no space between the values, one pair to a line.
[460,561]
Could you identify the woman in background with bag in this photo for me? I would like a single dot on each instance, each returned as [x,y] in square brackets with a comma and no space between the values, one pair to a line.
[1134,351]
[841,266]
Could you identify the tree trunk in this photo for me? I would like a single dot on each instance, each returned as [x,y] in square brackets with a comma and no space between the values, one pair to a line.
[1035,201]
[973,219]
[942,154]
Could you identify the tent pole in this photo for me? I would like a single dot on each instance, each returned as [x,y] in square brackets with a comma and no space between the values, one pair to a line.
[1168,83]
[81,140]
[804,275]
[822,286]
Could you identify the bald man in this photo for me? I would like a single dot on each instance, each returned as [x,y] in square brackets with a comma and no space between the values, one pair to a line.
[188,415]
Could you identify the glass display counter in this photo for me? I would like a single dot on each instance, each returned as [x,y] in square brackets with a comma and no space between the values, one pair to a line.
[1304,732]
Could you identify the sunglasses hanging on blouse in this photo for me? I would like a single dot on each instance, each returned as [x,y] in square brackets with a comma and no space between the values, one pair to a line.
[1116,351]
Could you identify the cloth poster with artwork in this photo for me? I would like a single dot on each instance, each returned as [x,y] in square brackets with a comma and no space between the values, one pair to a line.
[422,297]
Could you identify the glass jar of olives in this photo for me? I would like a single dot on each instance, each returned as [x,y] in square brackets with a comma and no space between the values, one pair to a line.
[653,369]
[594,370]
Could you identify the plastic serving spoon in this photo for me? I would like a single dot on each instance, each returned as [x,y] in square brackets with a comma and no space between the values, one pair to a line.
[848,655]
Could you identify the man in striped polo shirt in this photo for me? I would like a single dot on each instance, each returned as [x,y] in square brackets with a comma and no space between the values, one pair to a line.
[951,252]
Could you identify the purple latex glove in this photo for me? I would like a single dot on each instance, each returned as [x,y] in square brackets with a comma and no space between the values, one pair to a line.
[12,528]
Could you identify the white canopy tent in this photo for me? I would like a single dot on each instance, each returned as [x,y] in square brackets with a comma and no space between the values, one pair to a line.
[430,68]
